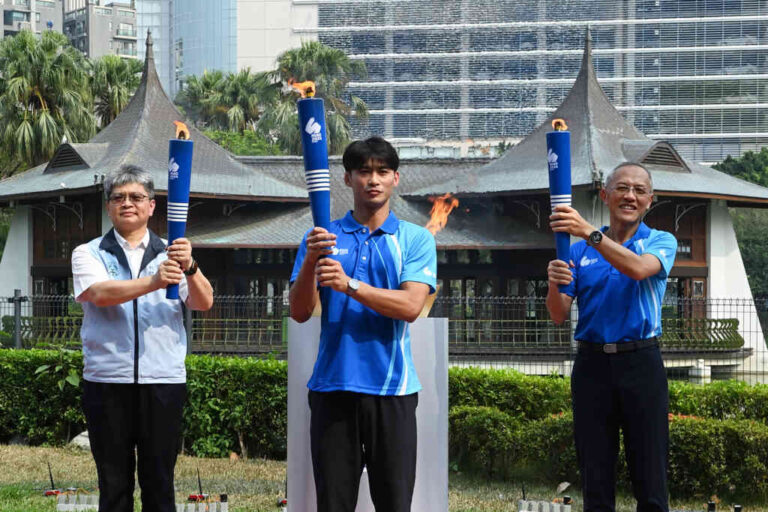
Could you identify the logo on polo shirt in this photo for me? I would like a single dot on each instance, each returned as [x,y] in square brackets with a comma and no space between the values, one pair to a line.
[428,272]
[663,252]
[585,262]
[112,270]
[339,252]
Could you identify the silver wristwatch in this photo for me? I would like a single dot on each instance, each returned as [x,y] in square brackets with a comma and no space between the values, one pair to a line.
[352,286]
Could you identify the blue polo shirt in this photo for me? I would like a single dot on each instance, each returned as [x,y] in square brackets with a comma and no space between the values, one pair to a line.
[360,349]
[612,306]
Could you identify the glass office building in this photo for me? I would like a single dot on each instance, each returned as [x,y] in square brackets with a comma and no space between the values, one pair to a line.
[155,15]
[691,72]
[205,37]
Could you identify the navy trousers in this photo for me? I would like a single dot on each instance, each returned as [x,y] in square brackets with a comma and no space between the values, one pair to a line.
[127,422]
[628,391]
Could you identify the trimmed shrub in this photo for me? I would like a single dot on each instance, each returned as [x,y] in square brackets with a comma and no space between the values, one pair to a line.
[236,404]
[523,396]
[707,456]
[483,438]
[720,399]
[549,448]
[34,406]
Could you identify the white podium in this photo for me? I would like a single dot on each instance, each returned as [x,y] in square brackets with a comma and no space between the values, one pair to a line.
[429,347]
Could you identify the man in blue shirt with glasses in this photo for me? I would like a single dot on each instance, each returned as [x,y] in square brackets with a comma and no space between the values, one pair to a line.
[372,274]
[618,275]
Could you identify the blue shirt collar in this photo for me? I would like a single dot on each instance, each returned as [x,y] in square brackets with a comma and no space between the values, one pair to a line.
[642,232]
[350,225]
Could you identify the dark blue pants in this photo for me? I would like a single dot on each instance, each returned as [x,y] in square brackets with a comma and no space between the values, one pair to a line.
[127,422]
[628,391]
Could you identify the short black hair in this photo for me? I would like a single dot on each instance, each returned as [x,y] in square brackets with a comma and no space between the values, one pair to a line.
[359,152]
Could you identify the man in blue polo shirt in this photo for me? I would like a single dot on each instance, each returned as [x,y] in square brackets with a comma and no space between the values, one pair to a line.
[372,274]
[618,275]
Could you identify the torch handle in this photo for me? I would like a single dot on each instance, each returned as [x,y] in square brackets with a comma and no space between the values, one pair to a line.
[179,176]
[314,142]
[559,164]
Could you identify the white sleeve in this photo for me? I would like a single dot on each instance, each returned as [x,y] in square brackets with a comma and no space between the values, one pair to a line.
[86,270]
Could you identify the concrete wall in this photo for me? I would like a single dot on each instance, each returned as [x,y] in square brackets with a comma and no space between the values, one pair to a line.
[728,282]
[15,267]
[265,30]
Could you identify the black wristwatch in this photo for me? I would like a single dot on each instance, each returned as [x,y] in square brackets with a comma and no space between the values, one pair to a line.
[192,270]
[595,238]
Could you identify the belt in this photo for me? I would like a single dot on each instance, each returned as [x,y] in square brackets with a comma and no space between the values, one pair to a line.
[616,348]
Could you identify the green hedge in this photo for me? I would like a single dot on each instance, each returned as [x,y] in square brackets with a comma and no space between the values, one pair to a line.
[707,456]
[501,422]
[32,406]
[531,397]
[523,396]
[236,404]
[233,404]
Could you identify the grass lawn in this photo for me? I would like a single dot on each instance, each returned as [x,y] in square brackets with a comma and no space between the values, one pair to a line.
[252,485]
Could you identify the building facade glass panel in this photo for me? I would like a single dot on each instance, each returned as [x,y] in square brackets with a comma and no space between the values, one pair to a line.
[692,73]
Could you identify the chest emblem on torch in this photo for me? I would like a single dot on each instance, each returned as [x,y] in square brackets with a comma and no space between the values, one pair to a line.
[173,170]
[313,128]
[552,159]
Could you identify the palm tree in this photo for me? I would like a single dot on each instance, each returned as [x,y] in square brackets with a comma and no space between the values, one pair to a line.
[331,70]
[44,96]
[114,80]
[231,102]
[192,98]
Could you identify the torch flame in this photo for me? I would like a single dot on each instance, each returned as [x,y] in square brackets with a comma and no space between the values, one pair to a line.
[307,89]
[442,206]
[559,125]
[182,132]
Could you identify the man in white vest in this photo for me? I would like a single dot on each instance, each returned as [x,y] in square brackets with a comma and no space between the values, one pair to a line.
[134,345]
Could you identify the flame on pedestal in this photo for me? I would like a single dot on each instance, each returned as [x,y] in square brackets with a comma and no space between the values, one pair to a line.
[182,132]
[307,89]
[442,206]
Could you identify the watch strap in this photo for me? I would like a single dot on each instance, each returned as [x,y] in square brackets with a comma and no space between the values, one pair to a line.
[193,267]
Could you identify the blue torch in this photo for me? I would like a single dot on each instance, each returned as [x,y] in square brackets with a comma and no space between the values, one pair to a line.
[315,143]
[559,162]
[179,174]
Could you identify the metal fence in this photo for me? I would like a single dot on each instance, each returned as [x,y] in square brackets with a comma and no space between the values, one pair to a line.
[718,337]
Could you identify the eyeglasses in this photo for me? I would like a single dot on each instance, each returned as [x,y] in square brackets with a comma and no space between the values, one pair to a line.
[134,197]
[639,191]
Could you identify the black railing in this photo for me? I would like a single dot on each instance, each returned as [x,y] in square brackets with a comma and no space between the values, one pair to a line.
[481,329]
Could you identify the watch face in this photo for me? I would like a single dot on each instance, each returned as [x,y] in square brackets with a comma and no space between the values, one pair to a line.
[595,237]
[354,284]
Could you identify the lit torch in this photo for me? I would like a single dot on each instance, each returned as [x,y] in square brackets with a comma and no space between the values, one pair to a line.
[559,162]
[179,174]
[314,141]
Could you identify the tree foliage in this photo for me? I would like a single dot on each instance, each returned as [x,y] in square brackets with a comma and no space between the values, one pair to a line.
[331,70]
[751,225]
[44,97]
[265,102]
[750,167]
[247,143]
[232,101]
[114,80]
